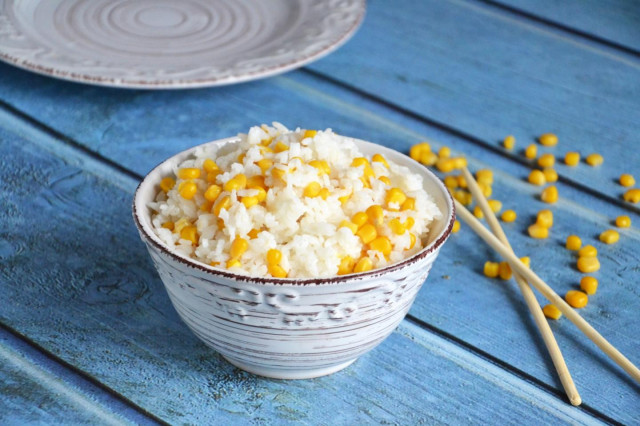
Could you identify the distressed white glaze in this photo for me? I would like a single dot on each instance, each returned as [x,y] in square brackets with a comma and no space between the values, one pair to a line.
[292,328]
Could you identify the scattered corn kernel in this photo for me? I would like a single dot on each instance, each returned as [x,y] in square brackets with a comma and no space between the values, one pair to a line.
[346,265]
[462,182]
[381,244]
[363,265]
[212,193]
[280,147]
[573,243]
[236,183]
[550,174]
[486,189]
[249,201]
[189,233]
[594,160]
[274,257]
[491,269]
[324,193]
[536,177]
[360,219]
[576,298]
[504,271]
[209,165]
[484,176]
[549,195]
[509,216]
[238,247]
[526,260]
[180,224]
[277,271]
[572,158]
[551,312]
[168,225]
[409,204]
[531,151]
[253,234]
[379,158]
[588,264]
[456,226]
[261,195]
[385,180]
[309,134]
[610,236]
[588,251]
[444,152]
[545,218]
[416,152]
[623,221]
[589,285]
[409,222]
[395,197]
[167,184]
[429,158]
[233,263]
[312,190]
[367,233]
[548,139]
[627,180]
[538,231]
[412,240]
[632,196]
[477,212]
[346,224]
[397,227]
[264,164]
[509,142]
[546,160]
[375,214]
[445,165]
[189,173]
[223,203]
[451,182]
[495,205]
[463,197]
[322,166]
[188,190]
[459,162]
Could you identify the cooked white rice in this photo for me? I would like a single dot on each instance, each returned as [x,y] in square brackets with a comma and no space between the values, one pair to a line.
[305,229]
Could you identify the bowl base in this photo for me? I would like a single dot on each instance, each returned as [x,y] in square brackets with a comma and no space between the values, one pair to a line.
[278,373]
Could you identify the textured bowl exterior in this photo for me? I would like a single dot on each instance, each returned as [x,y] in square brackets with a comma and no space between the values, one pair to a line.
[290,328]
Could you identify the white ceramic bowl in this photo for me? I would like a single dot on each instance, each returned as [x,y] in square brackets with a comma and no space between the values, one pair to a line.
[292,328]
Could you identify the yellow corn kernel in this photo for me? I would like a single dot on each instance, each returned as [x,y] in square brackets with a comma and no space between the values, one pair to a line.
[477,212]
[209,165]
[385,180]
[627,180]
[266,141]
[238,247]
[395,197]
[459,162]
[359,161]
[346,265]
[249,201]
[360,219]
[462,182]
[188,190]
[412,240]
[274,257]
[572,158]
[550,174]
[551,312]
[504,271]
[546,160]
[309,134]
[429,158]
[589,285]
[623,221]
[180,224]
[324,193]
[632,195]
[280,147]
[381,244]
[536,177]
[322,167]
[206,206]
[253,234]
[451,182]
[573,243]
[241,157]
[509,142]
[346,224]
[526,260]
[256,181]
[236,183]
[456,226]
[549,195]
[264,164]
[223,203]
[213,176]
[509,216]
[486,189]
[277,271]
[418,150]
[610,236]
[189,173]
[548,139]
[444,152]
[545,218]
[367,233]
[379,158]
[167,184]
[278,173]
[594,160]
[484,176]
[312,190]
[212,193]
[445,165]
[233,263]
[463,197]
[409,204]
[531,151]
[168,225]
[343,200]
[264,149]
[396,226]
[220,223]
[214,264]
[495,205]
[588,251]
[576,299]
[189,233]
[538,231]
[491,269]
[588,264]
[363,265]
[409,222]
[375,214]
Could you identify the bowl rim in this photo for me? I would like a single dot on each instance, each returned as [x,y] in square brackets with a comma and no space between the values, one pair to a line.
[150,236]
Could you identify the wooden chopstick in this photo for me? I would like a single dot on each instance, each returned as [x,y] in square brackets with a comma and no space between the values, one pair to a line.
[552,296]
[538,317]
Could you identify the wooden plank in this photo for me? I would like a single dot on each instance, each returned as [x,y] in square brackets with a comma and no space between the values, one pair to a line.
[322,105]
[488,74]
[100,306]
[614,21]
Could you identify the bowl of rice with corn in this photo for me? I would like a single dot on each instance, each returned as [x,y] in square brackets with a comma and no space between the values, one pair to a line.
[292,252]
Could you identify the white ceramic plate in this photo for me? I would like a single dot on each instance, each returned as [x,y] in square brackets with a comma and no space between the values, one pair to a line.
[172,43]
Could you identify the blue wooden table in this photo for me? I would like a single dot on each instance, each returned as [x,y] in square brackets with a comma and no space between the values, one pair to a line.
[87,332]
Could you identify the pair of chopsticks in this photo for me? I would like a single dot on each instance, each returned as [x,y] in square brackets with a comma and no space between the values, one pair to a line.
[525,276]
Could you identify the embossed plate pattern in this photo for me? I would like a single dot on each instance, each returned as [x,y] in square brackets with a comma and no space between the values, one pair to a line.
[172,44]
